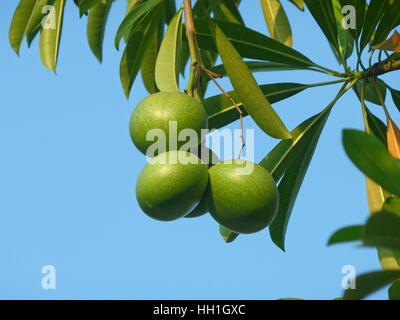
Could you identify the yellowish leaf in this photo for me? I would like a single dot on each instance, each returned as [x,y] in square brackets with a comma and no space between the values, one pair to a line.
[391,44]
[393,138]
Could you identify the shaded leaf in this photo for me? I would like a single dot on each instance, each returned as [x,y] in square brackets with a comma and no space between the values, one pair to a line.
[250,43]
[248,90]
[378,128]
[370,91]
[359,7]
[347,234]
[85,5]
[388,22]
[382,230]
[323,13]
[133,16]
[221,111]
[396,97]
[136,47]
[228,235]
[291,182]
[277,21]
[392,205]
[394,290]
[95,27]
[391,44]
[369,283]
[169,11]
[370,155]
[168,60]
[376,8]
[227,10]
[49,42]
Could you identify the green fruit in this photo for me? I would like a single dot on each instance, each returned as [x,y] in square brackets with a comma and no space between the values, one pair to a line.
[168,189]
[243,203]
[157,110]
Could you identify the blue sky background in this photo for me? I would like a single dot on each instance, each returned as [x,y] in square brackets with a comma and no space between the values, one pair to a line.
[68,171]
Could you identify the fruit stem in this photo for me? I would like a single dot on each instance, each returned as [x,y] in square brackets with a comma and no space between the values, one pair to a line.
[195,66]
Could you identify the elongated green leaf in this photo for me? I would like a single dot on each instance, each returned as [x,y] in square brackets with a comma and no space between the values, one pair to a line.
[378,128]
[369,283]
[169,11]
[392,205]
[86,5]
[388,21]
[133,16]
[356,7]
[291,182]
[228,235]
[95,28]
[345,39]
[298,3]
[19,23]
[396,97]
[168,60]
[249,43]
[371,156]
[49,42]
[394,290]
[227,10]
[248,90]
[32,34]
[148,69]
[136,47]
[347,234]
[382,230]
[277,21]
[221,111]
[376,9]
[323,13]
[370,91]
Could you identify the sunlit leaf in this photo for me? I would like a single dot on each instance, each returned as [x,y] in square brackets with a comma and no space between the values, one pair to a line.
[277,21]
[392,205]
[345,39]
[393,138]
[168,59]
[227,235]
[227,10]
[49,42]
[298,3]
[250,94]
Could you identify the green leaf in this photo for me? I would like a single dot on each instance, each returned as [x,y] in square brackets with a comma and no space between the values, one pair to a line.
[49,42]
[169,11]
[277,21]
[291,182]
[149,61]
[396,97]
[394,290]
[370,91]
[347,234]
[95,28]
[228,235]
[248,90]
[382,230]
[298,3]
[227,10]
[133,16]
[359,6]
[392,205]
[388,22]
[249,43]
[369,283]
[371,156]
[323,13]
[378,128]
[376,9]
[221,111]
[168,60]
[139,41]
[345,39]
[86,5]
[19,23]
[32,34]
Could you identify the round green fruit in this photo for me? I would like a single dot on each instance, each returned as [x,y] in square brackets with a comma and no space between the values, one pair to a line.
[166,111]
[171,185]
[242,200]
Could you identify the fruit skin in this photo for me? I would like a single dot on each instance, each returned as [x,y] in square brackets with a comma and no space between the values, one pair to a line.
[155,112]
[167,191]
[242,203]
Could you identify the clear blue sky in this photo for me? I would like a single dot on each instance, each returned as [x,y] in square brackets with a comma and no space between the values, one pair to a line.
[68,171]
